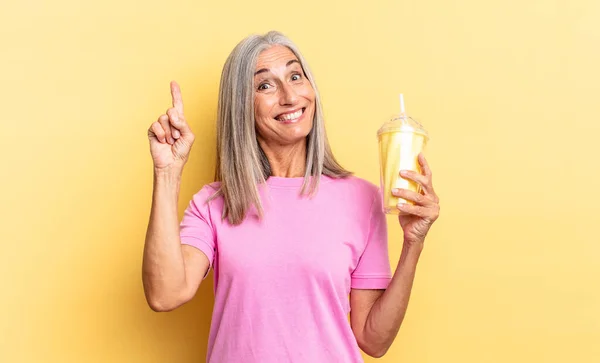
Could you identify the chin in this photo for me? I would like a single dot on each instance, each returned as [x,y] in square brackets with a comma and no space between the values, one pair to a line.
[299,131]
[294,136]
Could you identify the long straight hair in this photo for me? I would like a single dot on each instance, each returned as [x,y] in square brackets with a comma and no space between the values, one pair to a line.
[241,163]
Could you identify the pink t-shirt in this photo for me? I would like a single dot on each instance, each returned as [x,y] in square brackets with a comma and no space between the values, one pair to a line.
[281,284]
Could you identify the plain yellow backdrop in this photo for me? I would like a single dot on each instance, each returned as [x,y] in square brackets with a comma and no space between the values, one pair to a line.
[507,89]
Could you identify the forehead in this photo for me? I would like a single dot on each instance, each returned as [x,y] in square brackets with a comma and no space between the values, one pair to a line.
[274,56]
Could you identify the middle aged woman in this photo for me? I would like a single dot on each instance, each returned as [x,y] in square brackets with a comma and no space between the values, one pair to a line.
[289,232]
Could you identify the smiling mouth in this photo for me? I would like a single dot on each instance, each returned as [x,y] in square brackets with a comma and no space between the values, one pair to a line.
[291,117]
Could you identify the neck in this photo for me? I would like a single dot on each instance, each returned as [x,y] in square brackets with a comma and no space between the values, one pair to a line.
[287,161]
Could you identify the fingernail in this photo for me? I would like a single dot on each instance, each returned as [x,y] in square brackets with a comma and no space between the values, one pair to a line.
[403,172]
[176,134]
[171,141]
[395,190]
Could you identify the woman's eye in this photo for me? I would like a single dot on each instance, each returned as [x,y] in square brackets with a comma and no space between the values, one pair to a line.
[296,77]
[264,86]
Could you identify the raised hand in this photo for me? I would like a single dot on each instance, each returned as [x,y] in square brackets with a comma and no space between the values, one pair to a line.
[171,138]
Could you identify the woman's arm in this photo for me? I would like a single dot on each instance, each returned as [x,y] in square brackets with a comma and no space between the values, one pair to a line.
[171,273]
[378,314]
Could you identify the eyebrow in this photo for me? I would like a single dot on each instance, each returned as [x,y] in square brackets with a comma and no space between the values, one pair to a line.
[287,65]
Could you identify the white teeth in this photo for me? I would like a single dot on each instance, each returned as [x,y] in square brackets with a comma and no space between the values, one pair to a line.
[290,116]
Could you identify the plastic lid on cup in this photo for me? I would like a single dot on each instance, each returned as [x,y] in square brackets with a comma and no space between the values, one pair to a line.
[403,123]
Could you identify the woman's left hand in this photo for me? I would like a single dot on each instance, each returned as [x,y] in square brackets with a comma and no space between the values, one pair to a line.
[418,218]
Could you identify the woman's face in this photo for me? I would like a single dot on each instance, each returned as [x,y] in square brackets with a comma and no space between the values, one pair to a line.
[284,100]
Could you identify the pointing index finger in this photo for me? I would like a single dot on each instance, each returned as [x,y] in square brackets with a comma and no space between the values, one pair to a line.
[176,95]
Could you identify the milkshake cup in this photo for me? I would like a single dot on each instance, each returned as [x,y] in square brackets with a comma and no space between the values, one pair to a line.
[400,141]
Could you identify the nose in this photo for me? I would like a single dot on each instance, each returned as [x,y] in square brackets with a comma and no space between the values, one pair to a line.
[288,95]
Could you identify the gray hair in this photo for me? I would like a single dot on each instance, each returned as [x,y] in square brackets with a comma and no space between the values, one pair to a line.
[241,163]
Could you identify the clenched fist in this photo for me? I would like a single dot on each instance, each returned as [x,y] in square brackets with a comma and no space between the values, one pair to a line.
[170,137]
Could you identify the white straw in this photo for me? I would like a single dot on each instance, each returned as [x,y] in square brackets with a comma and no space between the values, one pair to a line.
[401,104]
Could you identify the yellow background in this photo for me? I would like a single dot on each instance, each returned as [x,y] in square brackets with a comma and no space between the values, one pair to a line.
[508,90]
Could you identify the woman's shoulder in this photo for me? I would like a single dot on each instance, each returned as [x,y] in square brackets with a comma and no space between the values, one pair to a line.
[355,195]
[207,193]
[211,187]
[354,184]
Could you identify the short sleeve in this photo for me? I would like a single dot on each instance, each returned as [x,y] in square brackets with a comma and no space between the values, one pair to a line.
[196,228]
[373,270]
